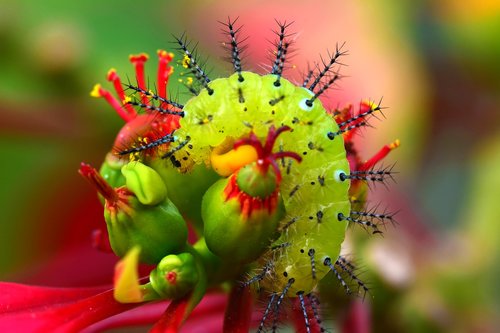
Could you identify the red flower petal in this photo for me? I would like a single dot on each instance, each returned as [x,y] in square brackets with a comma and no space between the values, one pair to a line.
[37,309]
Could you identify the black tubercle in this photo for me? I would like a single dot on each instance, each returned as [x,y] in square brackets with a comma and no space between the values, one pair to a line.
[275,101]
[193,64]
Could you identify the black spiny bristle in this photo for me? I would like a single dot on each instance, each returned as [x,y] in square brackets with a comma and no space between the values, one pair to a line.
[172,151]
[192,63]
[236,47]
[328,65]
[332,135]
[282,45]
[153,96]
[300,294]
[328,262]
[277,305]
[266,313]
[308,76]
[348,268]
[148,145]
[366,223]
[158,109]
[374,108]
[314,303]
[373,175]
[260,276]
[324,88]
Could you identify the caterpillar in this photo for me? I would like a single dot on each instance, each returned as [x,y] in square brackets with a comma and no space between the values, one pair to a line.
[288,180]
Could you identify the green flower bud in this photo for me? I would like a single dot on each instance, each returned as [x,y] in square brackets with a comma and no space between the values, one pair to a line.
[175,276]
[140,214]
[239,227]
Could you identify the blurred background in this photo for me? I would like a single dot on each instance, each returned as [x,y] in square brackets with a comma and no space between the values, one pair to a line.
[435,63]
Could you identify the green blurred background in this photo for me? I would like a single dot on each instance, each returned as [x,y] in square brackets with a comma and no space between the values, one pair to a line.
[436,63]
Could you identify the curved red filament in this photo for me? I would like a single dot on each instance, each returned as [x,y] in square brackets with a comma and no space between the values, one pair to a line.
[265,154]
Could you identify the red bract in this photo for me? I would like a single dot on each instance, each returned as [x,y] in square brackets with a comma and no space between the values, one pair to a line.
[38,309]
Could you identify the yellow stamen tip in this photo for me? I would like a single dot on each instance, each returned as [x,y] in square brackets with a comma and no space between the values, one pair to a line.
[96,91]
[186,61]
[395,144]
[126,100]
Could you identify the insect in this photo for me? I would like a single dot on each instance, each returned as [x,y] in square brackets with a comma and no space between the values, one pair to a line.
[289,181]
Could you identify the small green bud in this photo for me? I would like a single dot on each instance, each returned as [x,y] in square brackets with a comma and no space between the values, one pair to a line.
[147,219]
[175,276]
[145,183]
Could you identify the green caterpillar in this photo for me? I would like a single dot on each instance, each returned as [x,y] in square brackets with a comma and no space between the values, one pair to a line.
[312,191]
[287,179]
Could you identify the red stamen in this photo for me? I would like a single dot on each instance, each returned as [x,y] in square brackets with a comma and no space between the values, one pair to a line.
[265,153]
[272,135]
[101,92]
[253,141]
[164,72]
[138,61]
[91,174]
[115,79]
[383,152]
